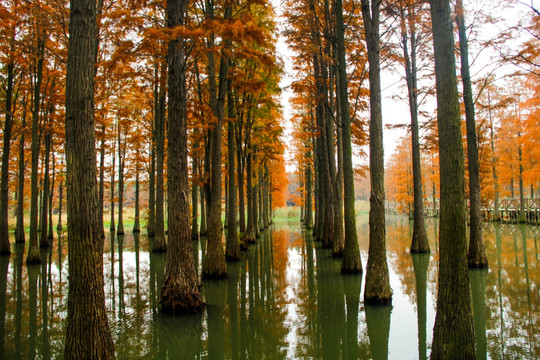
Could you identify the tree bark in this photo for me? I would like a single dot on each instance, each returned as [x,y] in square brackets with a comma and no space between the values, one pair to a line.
[121,162]
[453,334]
[180,291]
[4,180]
[19,229]
[136,221]
[477,253]
[112,226]
[351,250]
[43,239]
[377,288]
[195,193]
[159,244]
[232,247]
[419,243]
[86,318]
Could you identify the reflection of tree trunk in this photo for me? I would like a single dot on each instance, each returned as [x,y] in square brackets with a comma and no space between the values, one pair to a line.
[377,288]
[477,253]
[4,265]
[33,272]
[19,253]
[420,264]
[45,352]
[352,285]
[215,296]
[478,289]
[378,329]
[453,334]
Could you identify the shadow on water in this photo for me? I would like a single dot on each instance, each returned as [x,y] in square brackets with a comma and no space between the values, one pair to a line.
[286,299]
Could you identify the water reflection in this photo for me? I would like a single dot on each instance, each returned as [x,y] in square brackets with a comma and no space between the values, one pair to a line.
[286,299]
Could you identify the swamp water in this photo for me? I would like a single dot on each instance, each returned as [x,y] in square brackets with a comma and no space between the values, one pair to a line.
[285,300]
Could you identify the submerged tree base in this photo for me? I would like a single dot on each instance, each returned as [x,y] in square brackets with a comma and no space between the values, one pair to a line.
[478,264]
[175,299]
[215,275]
[337,254]
[351,270]
[420,251]
[380,301]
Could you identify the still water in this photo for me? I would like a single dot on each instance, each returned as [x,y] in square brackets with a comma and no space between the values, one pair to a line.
[285,300]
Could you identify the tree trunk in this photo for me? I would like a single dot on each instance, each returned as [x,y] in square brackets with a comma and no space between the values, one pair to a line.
[33,256]
[43,239]
[419,243]
[496,214]
[4,180]
[308,217]
[121,162]
[159,244]
[240,175]
[249,235]
[19,229]
[232,247]
[339,235]
[215,265]
[101,194]
[86,317]
[195,195]
[60,200]
[137,221]
[453,334]
[351,250]
[180,291]
[152,194]
[477,253]
[112,225]
[50,235]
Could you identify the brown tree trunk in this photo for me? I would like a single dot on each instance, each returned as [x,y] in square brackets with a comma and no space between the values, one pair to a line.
[43,239]
[112,226]
[308,217]
[19,229]
[377,290]
[249,235]
[121,162]
[33,256]
[453,334]
[4,230]
[50,234]
[136,221]
[240,175]
[351,250]
[101,195]
[232,247]
[477,253]
[159,244]
[87,317]
[215,265]
[419,243]
[180,291]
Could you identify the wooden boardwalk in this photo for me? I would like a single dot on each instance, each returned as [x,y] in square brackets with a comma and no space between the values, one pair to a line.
[508,210]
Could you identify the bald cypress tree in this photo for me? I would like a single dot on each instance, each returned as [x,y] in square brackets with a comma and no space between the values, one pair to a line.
[87,332]
[453,334]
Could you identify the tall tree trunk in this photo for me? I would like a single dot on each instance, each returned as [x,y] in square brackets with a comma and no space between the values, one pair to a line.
[203,230]
[43,239]
[121,162]
[195,194]
[240,175]
[60,200]
[4,180]
[101,194]
[87,317]
[112,226]
[496,214]
[180,291]
[159,244]
[137,221]
[151,226]
[453,334]
[249,235]
[215,265]
[19,229]
[377,289]
[351,250]
[419,243]
[232,247]
[308,217]
[339,235]
[50,234]
[477,253]
[33,256]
